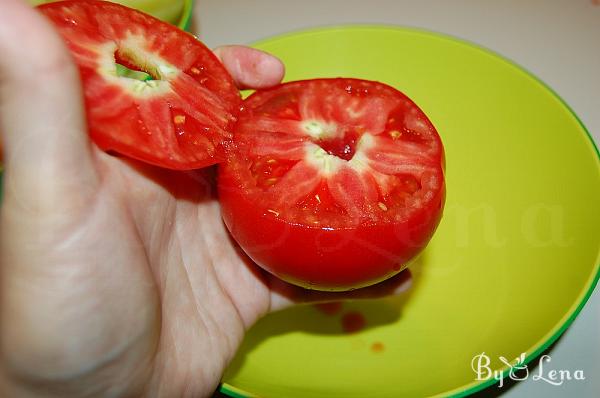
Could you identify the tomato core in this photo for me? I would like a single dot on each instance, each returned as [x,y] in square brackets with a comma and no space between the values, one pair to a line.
[343,147]
[128,66]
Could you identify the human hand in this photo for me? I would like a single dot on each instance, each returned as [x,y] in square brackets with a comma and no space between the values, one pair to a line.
[117,278]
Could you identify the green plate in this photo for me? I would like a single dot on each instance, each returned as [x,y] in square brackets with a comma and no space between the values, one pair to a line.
[185,19]
[513,261]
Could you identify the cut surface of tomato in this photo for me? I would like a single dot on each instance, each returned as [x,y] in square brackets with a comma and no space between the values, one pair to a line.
[334,183]
[179,117]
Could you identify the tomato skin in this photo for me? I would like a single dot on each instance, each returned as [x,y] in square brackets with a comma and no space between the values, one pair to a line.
[332,259]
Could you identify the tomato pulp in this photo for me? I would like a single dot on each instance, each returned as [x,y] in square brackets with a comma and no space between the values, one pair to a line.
[333,184]
[179,116]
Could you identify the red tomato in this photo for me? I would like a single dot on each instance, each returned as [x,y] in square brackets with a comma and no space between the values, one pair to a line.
[334,184]
[178,119]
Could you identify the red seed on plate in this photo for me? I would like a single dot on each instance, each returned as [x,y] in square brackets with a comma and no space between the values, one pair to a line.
[353,322]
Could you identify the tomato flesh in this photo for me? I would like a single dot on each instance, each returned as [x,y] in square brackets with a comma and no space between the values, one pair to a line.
[334,184]
[180,118]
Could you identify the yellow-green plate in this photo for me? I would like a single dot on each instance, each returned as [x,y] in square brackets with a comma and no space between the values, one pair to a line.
[185,19]
[513,261]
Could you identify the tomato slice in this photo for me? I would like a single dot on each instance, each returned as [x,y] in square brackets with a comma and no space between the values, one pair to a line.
[180,116]
[334,183]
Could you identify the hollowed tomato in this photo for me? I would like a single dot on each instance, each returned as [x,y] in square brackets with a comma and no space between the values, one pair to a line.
[333,184]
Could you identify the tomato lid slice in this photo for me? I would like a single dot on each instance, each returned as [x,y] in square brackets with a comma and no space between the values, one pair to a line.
[179,116]
[337,152]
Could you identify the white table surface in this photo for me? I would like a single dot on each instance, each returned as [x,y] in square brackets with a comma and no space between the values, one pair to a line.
[557,40]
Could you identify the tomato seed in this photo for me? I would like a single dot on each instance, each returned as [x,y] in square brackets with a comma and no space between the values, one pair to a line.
[273,212]
[179,119]
[382,206]
[395,134]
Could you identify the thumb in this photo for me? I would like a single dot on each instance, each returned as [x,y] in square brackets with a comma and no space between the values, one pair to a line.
[47,153]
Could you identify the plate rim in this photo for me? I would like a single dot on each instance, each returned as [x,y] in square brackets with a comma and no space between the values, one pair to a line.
[185,20]
[567,320]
